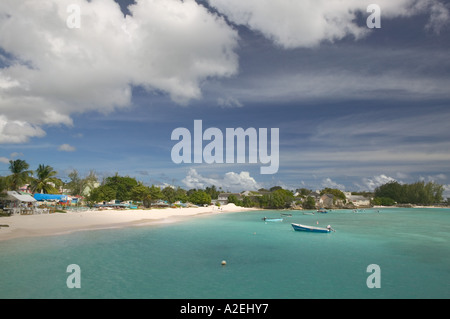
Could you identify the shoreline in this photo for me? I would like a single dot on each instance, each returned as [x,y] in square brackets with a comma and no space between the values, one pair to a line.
[21,226]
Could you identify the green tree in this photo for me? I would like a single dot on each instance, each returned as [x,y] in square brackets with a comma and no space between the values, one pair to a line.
[232,199]
[169,194]
[103,193]
[147,195]
[89,183]
[281,198]
[309,203]
[334,191]
[45,177]
[248,202]
[180,194]
[393,190]
[20,174]
[383,201]
[303,192]
[3,186]
[140,192]
[200,197]
[81,186]
[438,191]
[76,183]
[416,193]
[275,188]
[155,193]
[212,191]
[264,201]
[122,186]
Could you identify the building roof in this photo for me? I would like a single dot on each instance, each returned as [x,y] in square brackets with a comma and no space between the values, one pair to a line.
[15,196]
[225,195]
[357,198]
[50,197]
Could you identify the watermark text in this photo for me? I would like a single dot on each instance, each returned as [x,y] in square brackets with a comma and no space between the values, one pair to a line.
[229,148]
[74,279]
[374,280]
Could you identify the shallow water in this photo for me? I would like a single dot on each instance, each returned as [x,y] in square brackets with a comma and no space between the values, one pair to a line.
[264,259]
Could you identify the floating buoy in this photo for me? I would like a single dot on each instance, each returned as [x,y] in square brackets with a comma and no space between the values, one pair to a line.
[224,263]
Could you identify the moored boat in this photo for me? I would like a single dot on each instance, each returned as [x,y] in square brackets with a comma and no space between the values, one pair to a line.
[272,219]
[313,229]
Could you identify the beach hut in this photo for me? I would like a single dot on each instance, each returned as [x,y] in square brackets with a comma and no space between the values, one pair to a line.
[161,204]
[18,197]
[17,203]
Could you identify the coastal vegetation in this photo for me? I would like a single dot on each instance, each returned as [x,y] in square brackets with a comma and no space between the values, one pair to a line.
[45,181]
[278,198]
[20,174]
[419,193]
[125,188]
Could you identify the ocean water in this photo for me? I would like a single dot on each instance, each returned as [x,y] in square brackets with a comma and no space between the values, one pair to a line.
[265,260]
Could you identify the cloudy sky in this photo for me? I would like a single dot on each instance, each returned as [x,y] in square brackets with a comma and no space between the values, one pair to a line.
[355,107]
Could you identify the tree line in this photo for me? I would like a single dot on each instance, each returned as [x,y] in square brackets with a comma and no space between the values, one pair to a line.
[123,188]
[41,180]
[276,198]
[419,193]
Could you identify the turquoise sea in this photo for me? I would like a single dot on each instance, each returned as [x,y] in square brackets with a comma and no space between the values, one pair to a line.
[265,260]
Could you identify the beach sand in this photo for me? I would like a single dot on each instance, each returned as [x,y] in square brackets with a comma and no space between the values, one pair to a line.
[64,223]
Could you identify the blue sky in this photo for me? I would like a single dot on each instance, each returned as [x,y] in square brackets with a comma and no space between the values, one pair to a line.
[356,107]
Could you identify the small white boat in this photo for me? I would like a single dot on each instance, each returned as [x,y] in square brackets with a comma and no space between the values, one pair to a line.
[272,219]
[313,229]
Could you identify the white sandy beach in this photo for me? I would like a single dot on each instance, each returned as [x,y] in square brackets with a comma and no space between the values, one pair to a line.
[56,224]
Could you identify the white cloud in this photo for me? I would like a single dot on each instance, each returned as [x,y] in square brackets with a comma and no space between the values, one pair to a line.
[433,178]
[402,175]
[328,182]
[17,131]
[231,181]
[168,46]
[229,102]
[307,23]
[439,16]
[66,148]
[15,154]
[12,156]
[292,24]
[376,181]
[195,180]
[240,182]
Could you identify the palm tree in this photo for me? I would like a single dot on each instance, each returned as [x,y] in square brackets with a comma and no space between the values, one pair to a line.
[3,186]
[45,181]
[20,174]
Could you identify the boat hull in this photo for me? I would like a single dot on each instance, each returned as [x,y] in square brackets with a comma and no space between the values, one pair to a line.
[272,219]
[311,229]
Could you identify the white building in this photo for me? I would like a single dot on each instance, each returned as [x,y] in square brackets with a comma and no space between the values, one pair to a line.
[357,200]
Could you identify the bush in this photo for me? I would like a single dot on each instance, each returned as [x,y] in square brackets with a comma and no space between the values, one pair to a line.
[200,198]
[309,203]
[383,201]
